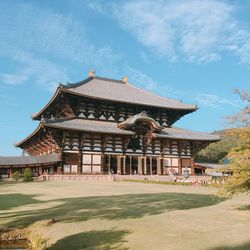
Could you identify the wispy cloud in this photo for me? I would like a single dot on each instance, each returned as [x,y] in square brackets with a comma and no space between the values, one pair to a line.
[13,79]
[215,101]
[145,81]
[40,42]
[140,78]
[196,31]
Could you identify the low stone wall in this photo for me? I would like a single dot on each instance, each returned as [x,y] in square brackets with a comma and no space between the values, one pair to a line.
[74,178]
[104,177]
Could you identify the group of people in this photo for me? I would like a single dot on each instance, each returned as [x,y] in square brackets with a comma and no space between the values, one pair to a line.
[199,181]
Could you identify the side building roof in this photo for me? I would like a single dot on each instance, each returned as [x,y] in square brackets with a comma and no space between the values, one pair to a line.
[28,160]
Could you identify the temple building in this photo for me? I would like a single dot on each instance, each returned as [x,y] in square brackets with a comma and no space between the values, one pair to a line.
[102,126]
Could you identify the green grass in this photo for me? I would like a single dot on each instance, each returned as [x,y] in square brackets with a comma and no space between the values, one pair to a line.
[126,215]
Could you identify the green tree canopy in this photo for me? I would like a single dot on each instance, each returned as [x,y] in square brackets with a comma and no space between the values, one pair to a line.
[239,182]
[218,151]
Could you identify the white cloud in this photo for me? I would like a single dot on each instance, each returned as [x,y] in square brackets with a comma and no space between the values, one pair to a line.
[146,82]
[215,101]
[40,42]
[13,79]
[196,31]
[140,78]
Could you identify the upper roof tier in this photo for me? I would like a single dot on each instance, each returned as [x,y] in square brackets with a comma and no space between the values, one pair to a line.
[121,91]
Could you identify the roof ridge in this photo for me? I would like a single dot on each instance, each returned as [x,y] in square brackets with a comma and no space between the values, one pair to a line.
[77,84]
[157,95]
[108,79]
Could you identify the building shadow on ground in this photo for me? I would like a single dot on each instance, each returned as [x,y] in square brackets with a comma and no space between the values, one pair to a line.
[117,207]
[99,240]
[8,201]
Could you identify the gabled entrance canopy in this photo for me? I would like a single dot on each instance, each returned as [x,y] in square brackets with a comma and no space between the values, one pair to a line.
[140,123]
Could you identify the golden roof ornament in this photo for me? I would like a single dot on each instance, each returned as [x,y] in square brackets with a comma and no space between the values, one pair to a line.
[91,73]
[125,79]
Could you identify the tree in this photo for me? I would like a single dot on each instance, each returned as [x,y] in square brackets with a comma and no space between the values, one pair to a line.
[218,151]
[27,174]
[16,176]
[239,182]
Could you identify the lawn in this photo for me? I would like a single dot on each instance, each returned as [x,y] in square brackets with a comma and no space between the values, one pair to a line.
[126,215]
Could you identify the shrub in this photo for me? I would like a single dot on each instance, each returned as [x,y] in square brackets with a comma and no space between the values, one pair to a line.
[27,174]
[16,176]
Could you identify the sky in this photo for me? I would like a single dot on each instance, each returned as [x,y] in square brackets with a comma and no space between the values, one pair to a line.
[193,51]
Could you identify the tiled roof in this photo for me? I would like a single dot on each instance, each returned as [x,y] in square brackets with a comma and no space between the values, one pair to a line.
[88,126]
[116,90]
[111,127]
[210,165]
[180,133]
[28,160]
[105,127]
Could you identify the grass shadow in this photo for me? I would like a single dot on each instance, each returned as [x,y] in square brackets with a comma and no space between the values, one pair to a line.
[8,201]
[244,208]
[117,207]
[99,240]
[245,246]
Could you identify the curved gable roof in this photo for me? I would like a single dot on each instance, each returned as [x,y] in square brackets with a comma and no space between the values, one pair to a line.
[117,90]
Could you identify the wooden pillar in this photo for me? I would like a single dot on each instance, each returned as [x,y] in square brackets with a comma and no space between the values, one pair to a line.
[163,165]
[60,165]
[139,165]
[108,163]
[179,166]
[10,172]
[192,166]
[158,165]
[102,163]
[79,170]
[130,164]
[145,165]
[124,164]
[118,164]
[40,171]
[150,166]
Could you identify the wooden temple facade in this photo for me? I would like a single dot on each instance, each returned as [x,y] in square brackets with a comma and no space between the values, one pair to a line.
[103,126]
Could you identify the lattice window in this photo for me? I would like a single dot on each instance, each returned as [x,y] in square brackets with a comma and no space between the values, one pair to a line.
[97,143]
[91,163]
[118,144]
[87,143]
[157,147]
[174,148]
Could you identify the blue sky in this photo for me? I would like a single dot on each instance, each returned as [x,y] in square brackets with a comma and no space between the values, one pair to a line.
[194,51]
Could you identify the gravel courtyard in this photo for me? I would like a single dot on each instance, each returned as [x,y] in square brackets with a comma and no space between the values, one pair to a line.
[126,215]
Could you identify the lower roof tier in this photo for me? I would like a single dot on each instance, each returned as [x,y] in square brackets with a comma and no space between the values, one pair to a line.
[104,127]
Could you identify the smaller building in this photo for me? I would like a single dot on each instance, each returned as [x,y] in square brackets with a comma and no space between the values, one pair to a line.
[212,169]
[39,164]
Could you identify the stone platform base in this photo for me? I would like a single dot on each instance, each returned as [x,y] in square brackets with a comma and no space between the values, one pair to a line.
[104,177]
